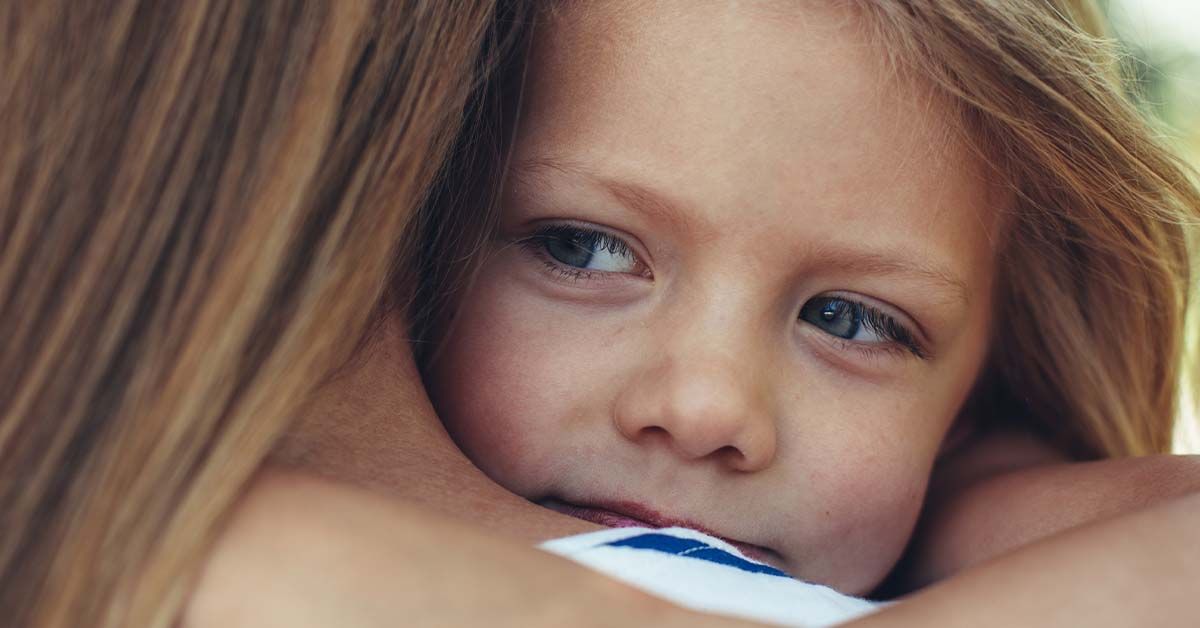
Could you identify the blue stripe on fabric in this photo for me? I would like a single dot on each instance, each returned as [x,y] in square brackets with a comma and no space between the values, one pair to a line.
[691,548]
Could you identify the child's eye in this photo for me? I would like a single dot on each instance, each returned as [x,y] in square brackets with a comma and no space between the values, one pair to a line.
[585,249]
[857,322]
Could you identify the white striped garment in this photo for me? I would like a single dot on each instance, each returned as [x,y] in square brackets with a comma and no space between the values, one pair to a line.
[704,573]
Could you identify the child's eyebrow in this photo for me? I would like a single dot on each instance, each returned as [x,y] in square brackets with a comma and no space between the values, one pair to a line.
[850,259]
[882,263]
[636,197]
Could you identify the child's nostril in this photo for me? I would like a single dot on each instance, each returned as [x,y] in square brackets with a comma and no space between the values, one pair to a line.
[729,453]
[654,431]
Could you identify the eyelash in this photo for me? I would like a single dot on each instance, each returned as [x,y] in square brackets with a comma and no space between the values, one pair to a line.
[536,245]
[899,338]
[883,324]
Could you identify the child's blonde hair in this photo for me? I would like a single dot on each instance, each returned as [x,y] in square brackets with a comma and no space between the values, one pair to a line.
[1089,338]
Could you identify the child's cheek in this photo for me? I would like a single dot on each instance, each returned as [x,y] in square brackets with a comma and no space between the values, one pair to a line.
[879,513]
[865,490]
[876,466]
[515,381]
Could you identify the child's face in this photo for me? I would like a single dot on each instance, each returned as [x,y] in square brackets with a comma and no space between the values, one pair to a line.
[741,283]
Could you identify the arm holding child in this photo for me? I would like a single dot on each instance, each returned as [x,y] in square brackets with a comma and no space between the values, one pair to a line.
[404,562]
[1007,489]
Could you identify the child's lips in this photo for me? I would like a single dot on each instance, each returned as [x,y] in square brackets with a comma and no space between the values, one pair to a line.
[629,514]
[601,516]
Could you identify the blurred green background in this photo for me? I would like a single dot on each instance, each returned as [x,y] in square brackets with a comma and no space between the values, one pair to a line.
[1162,38]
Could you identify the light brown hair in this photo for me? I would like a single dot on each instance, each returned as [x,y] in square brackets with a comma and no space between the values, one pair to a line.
[201,205]
[1089,342]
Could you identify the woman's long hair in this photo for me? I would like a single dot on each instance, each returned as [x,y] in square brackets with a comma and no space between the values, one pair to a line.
[200,208]
[1090,341]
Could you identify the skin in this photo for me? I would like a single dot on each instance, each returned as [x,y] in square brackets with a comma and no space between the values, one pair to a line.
[365,561]
[681,381]
[1007,490]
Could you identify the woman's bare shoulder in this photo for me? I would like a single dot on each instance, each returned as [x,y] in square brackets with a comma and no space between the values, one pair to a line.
[301,551]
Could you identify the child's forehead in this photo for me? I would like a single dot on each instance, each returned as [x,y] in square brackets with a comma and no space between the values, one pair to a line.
[618,16]
[645,32]
[714,90]
[734,69]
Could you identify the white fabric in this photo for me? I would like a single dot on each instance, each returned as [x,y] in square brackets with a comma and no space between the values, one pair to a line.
[704,573]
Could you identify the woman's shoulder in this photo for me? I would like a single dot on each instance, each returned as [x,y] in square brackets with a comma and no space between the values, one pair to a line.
[300,551]
[287,528]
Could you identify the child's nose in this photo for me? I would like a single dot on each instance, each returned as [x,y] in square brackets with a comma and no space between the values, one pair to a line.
[701,409]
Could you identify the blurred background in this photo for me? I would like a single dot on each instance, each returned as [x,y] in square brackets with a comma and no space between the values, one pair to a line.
[1162,38]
